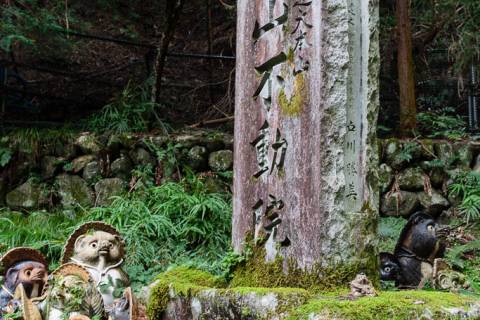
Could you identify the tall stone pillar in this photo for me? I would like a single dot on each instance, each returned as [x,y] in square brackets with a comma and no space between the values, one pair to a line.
[305,121]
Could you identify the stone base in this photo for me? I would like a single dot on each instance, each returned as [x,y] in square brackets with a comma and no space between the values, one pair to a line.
[183,294]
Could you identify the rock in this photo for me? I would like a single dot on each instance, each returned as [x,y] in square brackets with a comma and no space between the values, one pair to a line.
[427,150]
[221,160]
[406,204]
[458,155]
[65,150]
[214,141]
[398,154]
[122,167]
[73,191]
[197,157]
[228,141]
[476,165]
[108,188]
[434,204]
[213,184]
[49,166]
[385,177]
[88,143]
[454,199]
[92,172]
[80,163]
[411,179]
[142,157]
[189,139]
[27,196]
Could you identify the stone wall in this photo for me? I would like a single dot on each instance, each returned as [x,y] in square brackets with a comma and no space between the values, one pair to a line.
[92,168]
[417,174]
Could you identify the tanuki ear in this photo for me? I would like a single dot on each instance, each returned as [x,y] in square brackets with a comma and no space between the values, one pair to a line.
[80,243]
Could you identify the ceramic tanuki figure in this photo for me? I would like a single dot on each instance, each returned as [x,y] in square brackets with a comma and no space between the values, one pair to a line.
[71,294]
[26,267]
[99,248]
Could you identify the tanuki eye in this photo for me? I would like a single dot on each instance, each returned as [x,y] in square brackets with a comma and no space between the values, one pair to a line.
[387,269]
[93,244]
[430,227]
[28,273]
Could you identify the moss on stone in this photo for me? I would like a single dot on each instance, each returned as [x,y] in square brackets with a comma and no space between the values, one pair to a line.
[255,272]
[388,305]
[181,281]
[293,107]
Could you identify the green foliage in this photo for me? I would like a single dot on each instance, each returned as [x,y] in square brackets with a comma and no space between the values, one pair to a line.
[408,150]
[5,156]
[467,186]
[455,254]
[389,230]
[131,111]
[442,124]
[30,23]
[39,230]
[173,224]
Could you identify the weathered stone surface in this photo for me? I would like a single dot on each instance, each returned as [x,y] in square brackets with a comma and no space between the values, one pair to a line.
[476,166]
[49,166]
[197,157]
[458,154]
[434,203]
[399,204]
[189,139]
[385,177]
[122,167]
[392,150]
[411,179]
[65,150]
[27,196]
[88,143]
[142,157]
[73,191]
[305,131]
[92,171]
[437,176]
[108,188]
[80,163]
[221,160]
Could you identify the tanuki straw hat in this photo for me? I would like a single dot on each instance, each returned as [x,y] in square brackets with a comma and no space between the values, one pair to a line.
[20,254]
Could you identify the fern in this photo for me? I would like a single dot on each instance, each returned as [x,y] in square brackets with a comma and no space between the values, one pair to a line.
[467,186]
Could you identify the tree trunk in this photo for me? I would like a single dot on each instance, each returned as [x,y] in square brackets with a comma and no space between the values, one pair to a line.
[305,128]
[408,108]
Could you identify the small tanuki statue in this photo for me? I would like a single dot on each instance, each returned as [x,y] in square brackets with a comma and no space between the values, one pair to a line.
[71,295]
[22,266]
[99,248]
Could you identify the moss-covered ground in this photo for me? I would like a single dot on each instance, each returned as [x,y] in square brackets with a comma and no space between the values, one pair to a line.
[296,303]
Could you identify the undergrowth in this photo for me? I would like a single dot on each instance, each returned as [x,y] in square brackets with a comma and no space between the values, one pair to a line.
[177,223]
[467,186]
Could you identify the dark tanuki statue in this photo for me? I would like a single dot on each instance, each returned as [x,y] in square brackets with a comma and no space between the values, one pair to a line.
[411,264]
[22,266]
[389,267]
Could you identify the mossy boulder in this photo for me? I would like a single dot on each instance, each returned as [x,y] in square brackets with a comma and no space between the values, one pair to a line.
[92,172]
[459,154]
[88,143]
[78,164]
[122,167]
[30,195]
[433,202]
[142,157]
[108,188]
[184,294]
[411,179]
[399,204]
[73,191]
[197,157]
[221,160]
[385,177]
